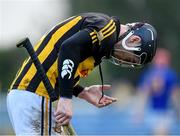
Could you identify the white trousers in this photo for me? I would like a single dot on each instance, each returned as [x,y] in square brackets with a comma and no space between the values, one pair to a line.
[29,113]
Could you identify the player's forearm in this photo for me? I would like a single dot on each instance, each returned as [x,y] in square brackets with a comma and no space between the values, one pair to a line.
[72,51]
[67,64]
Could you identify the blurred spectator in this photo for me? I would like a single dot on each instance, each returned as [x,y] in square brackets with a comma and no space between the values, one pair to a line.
[157,90]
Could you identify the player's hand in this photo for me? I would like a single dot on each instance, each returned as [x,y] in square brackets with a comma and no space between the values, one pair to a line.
[93,94]
[63,113]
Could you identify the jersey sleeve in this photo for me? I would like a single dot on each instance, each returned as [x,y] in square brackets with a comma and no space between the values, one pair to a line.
[70,55]
[102,30]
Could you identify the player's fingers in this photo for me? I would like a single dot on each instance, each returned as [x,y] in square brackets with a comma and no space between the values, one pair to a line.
[57,112]
[101,104]
[103,100]
[106,102]
[66,122]
[107,98]
[110,98]
[105,87]
[60,118]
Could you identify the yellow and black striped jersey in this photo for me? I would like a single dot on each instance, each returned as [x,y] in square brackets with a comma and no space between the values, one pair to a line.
[68,52]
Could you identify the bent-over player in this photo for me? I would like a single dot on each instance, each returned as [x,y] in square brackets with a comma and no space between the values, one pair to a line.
[68,52]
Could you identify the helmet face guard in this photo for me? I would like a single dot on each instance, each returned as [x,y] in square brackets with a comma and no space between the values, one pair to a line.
[126,58]
[138,54]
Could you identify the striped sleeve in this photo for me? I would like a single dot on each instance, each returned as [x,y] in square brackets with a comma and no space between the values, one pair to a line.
[103,33]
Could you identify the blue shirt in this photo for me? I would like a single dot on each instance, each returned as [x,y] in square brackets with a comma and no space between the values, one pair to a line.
[160,83]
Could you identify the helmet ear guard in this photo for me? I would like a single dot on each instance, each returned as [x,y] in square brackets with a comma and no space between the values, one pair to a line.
[145,51]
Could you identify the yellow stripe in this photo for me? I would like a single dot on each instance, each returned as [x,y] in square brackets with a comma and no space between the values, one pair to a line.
[39,43]
[52,75]
[92,33]
[107,25]
[29,75]
[25,62]
[43,92]
[104,33]
[76,83]
[56,36]
[50,46]
[46,117]
[110,33]
[94,37]
[94,40]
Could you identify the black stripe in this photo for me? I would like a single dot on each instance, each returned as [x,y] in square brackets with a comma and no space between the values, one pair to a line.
[48,37]
[23,73]
[93,34]
[109,31]
[56,88]
[42,116]
[50,120]
[29,64]
[35,81]
[41,47]
[68,34]
[108,27]
[51,58]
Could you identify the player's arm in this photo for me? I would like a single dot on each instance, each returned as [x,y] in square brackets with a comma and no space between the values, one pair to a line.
[70,54]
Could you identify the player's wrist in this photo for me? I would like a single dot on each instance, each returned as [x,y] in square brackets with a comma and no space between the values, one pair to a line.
[82,95]
[65,102]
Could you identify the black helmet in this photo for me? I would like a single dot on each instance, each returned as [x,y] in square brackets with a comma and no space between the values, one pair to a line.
[140,54]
